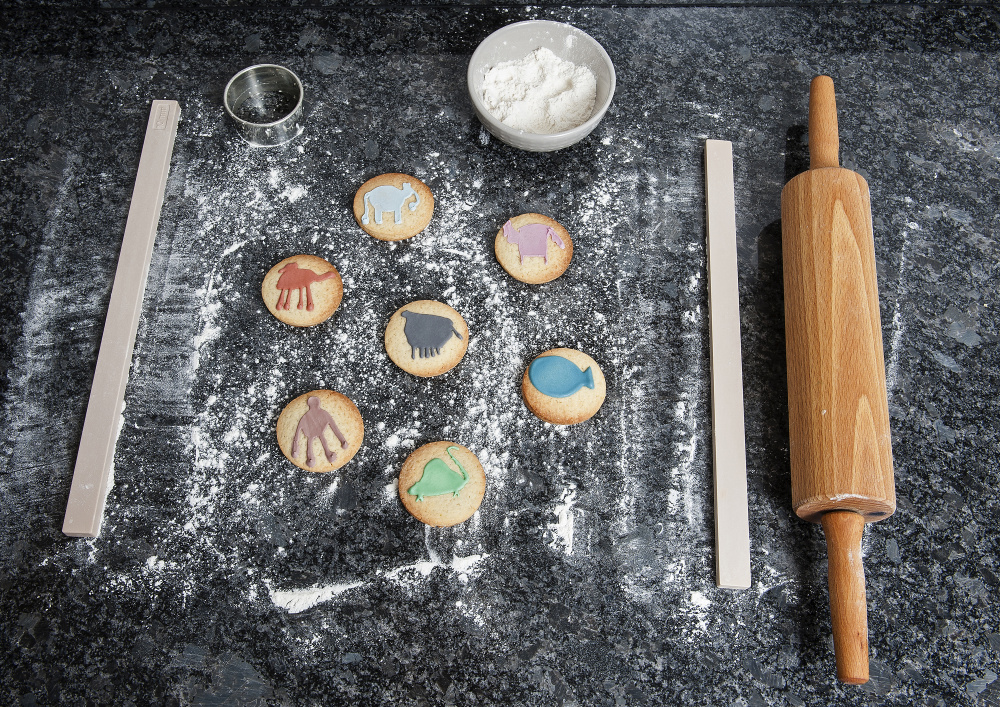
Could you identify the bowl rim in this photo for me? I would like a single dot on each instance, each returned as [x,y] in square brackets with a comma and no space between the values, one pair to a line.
[585,128]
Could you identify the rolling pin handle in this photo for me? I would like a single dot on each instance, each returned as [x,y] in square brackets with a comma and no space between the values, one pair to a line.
[848,610]
[824,141]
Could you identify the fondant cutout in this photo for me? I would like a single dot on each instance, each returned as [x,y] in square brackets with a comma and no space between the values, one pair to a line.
[389,198]
[532,239]
[558,377]
[313,424]
[427,333]
[295,278]
[439,479]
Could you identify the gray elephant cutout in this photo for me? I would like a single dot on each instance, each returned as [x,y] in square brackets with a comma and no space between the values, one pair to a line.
[389,198]
[427,333]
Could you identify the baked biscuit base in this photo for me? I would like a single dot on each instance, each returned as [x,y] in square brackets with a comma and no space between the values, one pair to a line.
[534,270]
[452,351]
[345,413]
[326,294]
[580,406]
[447,509]
[413,222]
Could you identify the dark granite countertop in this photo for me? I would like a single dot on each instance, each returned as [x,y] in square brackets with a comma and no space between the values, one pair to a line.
[226,576]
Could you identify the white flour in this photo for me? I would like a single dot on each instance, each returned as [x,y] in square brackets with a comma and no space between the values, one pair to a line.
[232,493]
[540,93]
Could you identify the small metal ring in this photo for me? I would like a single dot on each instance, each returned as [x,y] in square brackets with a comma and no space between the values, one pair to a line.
[265,103]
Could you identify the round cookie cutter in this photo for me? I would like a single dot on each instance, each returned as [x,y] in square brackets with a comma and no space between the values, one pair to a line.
[265,103]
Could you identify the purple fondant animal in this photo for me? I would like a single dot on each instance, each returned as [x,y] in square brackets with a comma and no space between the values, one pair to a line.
[532,239]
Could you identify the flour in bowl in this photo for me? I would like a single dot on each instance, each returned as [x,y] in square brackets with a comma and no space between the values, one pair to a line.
[540,93]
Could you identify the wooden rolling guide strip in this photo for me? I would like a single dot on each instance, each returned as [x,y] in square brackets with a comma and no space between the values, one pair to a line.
[838,413]
[732,525]
[92,475]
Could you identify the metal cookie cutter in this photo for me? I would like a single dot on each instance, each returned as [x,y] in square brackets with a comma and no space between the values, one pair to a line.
[265,103]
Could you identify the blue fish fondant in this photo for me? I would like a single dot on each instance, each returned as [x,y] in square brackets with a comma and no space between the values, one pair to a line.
[558,377]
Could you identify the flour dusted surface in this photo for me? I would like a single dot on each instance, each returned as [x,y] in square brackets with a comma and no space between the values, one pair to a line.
[540,93]
[209,525]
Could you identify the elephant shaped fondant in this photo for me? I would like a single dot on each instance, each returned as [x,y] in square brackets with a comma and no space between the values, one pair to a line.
[389,198]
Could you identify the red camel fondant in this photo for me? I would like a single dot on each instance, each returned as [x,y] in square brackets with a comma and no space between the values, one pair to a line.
[295,278]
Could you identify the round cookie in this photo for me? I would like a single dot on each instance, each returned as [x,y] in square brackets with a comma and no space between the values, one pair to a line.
[563,386]
[320,431]
[533,248]
[426,338]
[442,484]
[302,290]
[393,206]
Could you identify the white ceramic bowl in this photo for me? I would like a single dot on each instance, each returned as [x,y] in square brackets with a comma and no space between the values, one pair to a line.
[516,41]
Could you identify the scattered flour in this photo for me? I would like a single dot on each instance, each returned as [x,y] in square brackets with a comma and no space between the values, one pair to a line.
[231,489]
[298,600]
[562,529]
[540,93]
[293,193]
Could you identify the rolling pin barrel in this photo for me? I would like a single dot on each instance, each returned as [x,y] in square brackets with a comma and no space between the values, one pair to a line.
[838,426]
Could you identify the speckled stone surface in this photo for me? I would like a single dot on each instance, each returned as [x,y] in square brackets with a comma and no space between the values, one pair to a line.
[226,576]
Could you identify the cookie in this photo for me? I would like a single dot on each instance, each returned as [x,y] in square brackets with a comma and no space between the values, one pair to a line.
[442,484]
[320,431]
[563,386]
[392,207]
[426,338]
[533,248]
[302,290]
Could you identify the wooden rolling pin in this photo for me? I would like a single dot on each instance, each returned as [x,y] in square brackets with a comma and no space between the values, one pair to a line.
[838,413]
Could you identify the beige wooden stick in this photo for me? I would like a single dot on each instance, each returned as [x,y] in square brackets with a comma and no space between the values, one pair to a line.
[93,473]
[732,526]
